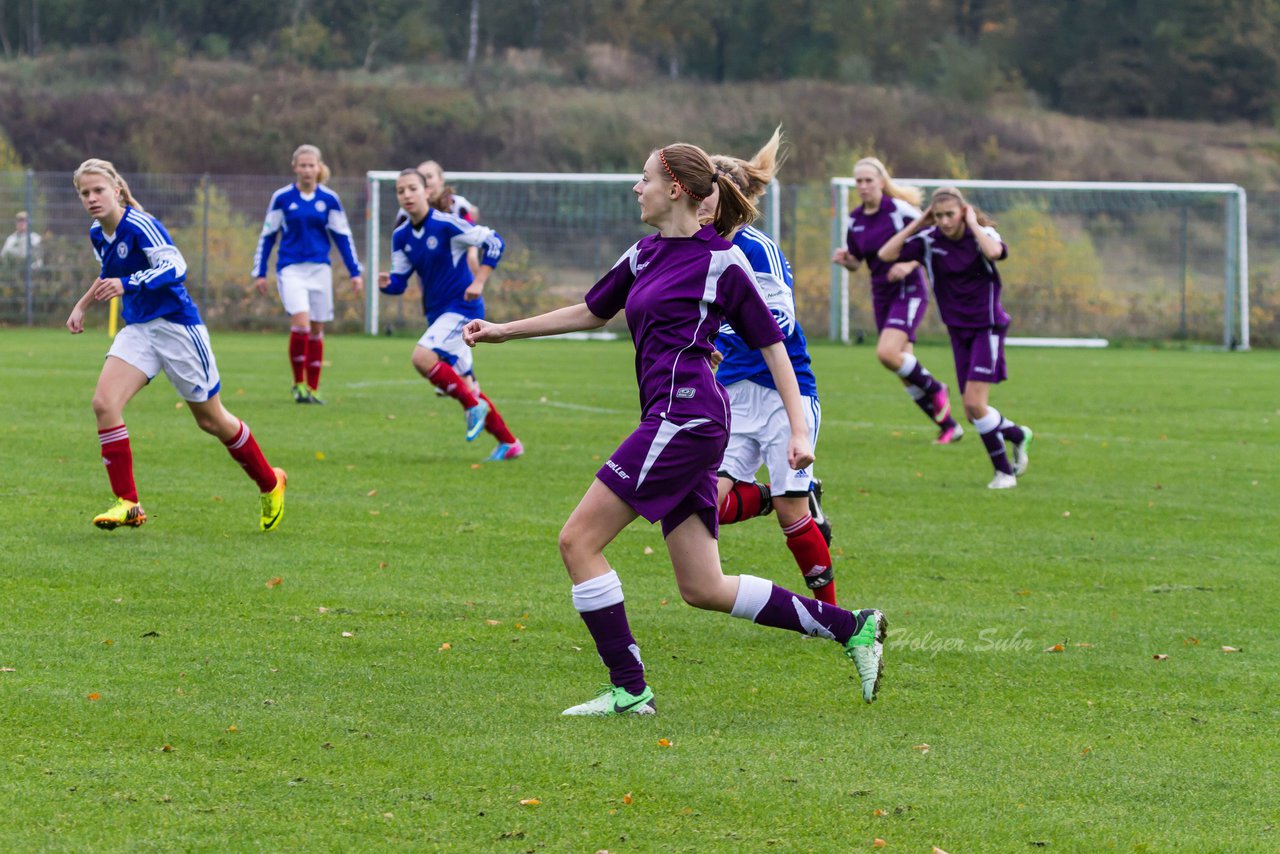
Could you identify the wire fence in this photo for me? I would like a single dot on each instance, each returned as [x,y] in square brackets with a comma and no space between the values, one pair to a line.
[215,220]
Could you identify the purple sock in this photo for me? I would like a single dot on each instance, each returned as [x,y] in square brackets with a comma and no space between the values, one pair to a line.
[924,401]
[995,449]
[599,603]
[767,604]
[923,380]
[1011,432]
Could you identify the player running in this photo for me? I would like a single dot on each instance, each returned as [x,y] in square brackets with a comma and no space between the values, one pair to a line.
[310,215]
[759,431]
[957,244]
[899,293]
[141,265]
[676,287]
[434,245]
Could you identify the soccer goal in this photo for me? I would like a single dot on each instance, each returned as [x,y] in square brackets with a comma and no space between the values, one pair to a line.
[563,232]
[1091,261]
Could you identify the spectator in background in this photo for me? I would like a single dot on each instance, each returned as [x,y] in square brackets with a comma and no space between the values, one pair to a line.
[15,245]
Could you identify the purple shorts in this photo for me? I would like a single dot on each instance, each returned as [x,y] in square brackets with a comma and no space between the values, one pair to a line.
[899,305]
[979,354]
[668,472]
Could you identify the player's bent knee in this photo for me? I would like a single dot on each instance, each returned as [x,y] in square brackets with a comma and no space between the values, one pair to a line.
[890,358]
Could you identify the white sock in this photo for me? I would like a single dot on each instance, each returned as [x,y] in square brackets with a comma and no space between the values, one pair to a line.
[603,591]
[909,362]
[753,595]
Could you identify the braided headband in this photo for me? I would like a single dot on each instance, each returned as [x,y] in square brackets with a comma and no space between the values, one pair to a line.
[663,157]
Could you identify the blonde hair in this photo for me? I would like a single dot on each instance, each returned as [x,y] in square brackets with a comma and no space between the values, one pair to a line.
[94,166]
[753,176]
[325,173]
[955,194]
[444,201]
[690,169]
[910,195]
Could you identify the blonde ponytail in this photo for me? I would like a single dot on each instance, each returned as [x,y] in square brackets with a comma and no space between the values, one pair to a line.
[325,172]
[910,195]
[104,168]
[754,176]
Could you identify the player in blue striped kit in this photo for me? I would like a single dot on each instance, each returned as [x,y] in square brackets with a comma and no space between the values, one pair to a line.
[310,215]
[434,245]
[141,265]
[759,430]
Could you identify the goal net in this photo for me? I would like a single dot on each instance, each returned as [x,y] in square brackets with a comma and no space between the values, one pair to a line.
[563,231]
[1091,261]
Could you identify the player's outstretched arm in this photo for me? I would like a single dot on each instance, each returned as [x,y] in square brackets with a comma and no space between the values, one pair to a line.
[573,318]
[799,451]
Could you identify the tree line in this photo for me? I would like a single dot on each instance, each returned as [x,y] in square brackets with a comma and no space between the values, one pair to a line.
[1194,59]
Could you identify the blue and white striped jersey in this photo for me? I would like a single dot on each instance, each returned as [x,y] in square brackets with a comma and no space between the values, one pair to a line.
[309,221]
[436,249]
[773,278]
[142,256]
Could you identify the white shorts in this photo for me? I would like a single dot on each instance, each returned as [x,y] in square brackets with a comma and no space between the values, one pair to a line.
[308,287]
[759,435]
[182,352]
[445,338]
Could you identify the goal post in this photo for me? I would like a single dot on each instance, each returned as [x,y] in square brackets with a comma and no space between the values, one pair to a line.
[563,231]
[1094,260]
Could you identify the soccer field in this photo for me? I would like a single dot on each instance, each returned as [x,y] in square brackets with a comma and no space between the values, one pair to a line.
[387,670]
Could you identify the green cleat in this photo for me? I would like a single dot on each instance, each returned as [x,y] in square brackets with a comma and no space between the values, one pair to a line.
[313,395]
[866,649]
[301,394]
[1021,458]
[273,502]
[613,700]
[124,513]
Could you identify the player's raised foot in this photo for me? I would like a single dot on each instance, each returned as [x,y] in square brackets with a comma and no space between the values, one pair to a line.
[124,513]
[815,510]
[273,502]
[301,394]
[1020,458]
[866,649]
[475,419]
[949,435]
[941,404]
[615,700]
[508,451]
[1002,481]
[314,395]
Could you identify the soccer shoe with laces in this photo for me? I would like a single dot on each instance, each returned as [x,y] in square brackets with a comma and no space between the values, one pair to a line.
[815,510]
[507,451]
[475,419]
[1002,481]
[301,394]
[614,700]
[866,650]
[273,502]
[1021,459]
[941,404]
[124,513]
[949,435]
[313,396]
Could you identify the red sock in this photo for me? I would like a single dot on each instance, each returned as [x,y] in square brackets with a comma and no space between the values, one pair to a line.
[744,501]
[298,352]
[315,358]
[118,458]
[812,556]
[495,425]
[244,450]
[444,377]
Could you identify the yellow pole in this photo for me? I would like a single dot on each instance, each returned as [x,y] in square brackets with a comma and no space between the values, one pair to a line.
[113,317]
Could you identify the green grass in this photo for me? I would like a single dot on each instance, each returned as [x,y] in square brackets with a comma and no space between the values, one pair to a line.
[1147,519]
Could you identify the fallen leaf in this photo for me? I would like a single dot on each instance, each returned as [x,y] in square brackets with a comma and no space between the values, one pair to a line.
[375,512]
[275,582]
[322,610]
[530,802]
[178,405]
[1066,514]
[348,634]
[1159,656]
[391,417]
[878,812]
[320,455]
[1083,645]
[8,670]
[1192,641]
[919,474]
[328,745]
[1024,592]
[493,622]
[520,626]
[445,645]
[475,465]
[168,748]
[1229,649]
[95,696]
[108,642]
[382,564]
[232,728]
[1086,751]
[626,799]
[663,602]
[151,634]
[648,550]
[923,748]
[878,843]
[388,815]
[664,742]
[371,493]
[936,849]
[1057,647]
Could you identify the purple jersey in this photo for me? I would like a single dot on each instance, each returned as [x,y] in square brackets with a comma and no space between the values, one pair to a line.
[676,292]
[965,281]
[868,232]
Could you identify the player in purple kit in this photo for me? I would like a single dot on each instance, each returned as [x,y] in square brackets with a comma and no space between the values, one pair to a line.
[899,293]
[759,431]
[959,248]
[677,287]
[434,245]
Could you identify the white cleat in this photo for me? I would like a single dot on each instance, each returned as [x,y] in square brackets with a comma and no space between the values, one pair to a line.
[1002,481]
